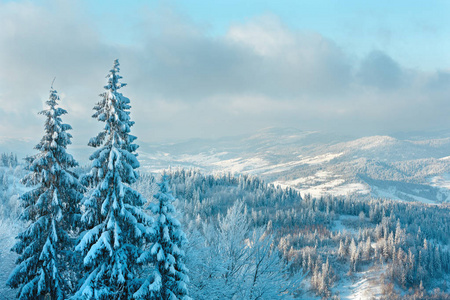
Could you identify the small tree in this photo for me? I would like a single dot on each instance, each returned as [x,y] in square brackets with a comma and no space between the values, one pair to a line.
[239,262]
[342,252]
[169,279]
[354,255]
[265,265]
[52,210]
[113,211]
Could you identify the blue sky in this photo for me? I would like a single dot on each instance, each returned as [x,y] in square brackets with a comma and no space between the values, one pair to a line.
[414,32]
[216,68]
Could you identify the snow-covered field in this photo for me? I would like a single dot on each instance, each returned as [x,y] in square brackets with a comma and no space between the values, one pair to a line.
[8,232]
[442,181]
[362,285]
[317,164]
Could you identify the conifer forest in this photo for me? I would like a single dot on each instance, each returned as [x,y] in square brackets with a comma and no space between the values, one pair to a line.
[109,230]
[224,150]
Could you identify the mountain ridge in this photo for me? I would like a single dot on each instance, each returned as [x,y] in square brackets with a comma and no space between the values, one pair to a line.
[313,162]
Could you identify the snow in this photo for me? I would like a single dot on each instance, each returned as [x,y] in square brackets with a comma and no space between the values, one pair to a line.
[324,183]
[315,160]
[8,231]
[371,142]
[394,194]
[201,158]
[318,167]
[320,158]
[166,251]
[441,181]
[116,157]
[344,224]
[363,285]
[278,168]
[254,165]
[241,165]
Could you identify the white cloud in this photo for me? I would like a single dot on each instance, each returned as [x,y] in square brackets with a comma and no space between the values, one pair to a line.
[259,74]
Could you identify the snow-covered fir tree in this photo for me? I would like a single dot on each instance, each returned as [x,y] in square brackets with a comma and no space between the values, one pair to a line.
[51,209]
[113,213]
[169,278]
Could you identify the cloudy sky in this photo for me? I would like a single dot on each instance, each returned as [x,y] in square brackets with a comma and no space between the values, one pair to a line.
[225,67]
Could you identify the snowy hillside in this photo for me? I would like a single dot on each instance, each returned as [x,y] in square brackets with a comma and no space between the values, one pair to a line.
[407,167]
[355,234]
[318,163]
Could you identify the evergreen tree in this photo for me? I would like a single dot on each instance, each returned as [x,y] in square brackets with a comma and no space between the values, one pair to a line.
[113,211]
[169,279]
[367,249]
[52,210]
[353,251]
[342,250]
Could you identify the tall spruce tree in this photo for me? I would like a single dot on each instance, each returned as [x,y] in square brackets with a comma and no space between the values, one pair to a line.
[113,213]
[51,209]
[169,279]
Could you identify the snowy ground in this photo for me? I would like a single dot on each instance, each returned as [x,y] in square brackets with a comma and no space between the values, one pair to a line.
[394,194]
[8,231]
[365,284]
[362,285]
[443,182]
[345,224]
[324,183]
[319,164]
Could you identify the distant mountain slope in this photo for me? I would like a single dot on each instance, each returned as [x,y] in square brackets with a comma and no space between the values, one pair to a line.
[411,167]
[320,163]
